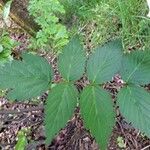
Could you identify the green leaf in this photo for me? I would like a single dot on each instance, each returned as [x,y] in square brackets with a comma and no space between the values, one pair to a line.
[71,62]
[27,78]
[105,62]
[136,67]
[61,32]
[1,48]
[59,108]
[134,104]
[22,141]
[6,10]
[120,142]
[97,111]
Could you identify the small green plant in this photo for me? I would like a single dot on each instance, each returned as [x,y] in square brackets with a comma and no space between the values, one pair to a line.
[32,76]
[6,46]
[6,43]
[52,35]
[121,143]
[21,139]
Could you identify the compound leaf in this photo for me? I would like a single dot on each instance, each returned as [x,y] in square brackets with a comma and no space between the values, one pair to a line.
[71,62]
[97,111]
[134,104]
[59,108]
[105,62]
[27,78]
[136,67]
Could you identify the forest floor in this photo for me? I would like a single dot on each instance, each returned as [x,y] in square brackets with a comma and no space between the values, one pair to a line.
[15,116]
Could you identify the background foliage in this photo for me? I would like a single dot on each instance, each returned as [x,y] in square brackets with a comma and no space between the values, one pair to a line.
[52,35]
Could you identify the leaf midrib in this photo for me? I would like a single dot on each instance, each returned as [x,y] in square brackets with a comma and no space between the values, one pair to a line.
[60,104]
[130,76]
[94,97]
[69,70]
[30,77]
[100,69]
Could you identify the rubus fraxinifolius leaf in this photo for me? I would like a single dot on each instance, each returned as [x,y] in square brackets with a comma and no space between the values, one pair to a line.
[134,100]
[27,78]
[32,76]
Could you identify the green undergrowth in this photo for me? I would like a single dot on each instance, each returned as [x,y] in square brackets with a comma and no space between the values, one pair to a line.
[101,21]
[6,43]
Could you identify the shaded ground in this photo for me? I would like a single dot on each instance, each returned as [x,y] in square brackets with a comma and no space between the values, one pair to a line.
[17,115]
